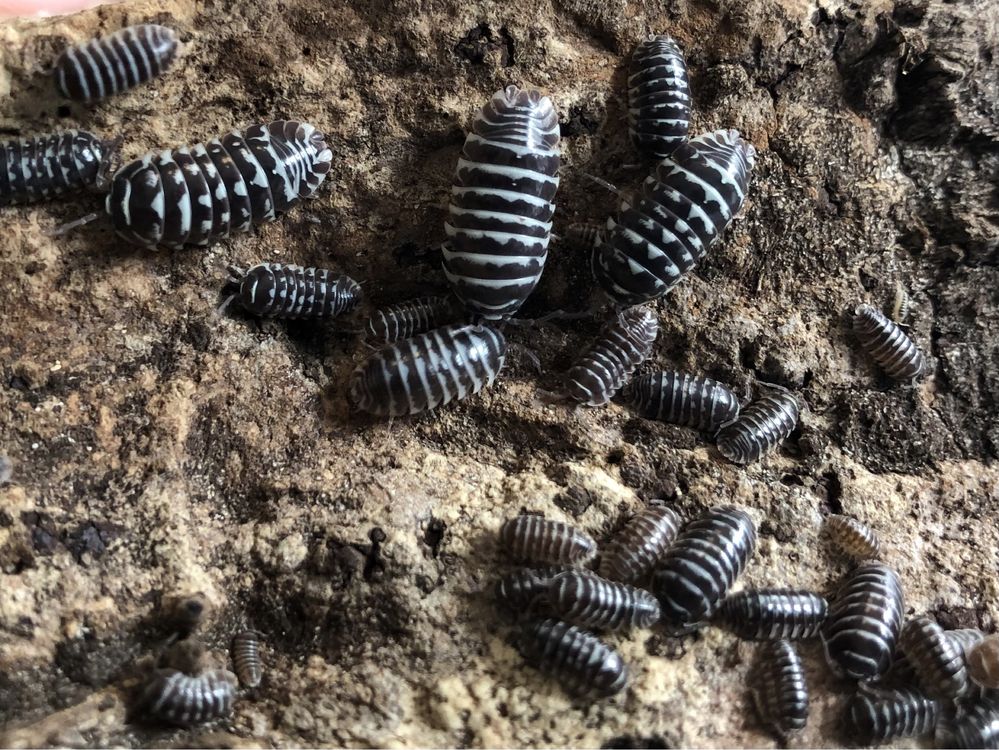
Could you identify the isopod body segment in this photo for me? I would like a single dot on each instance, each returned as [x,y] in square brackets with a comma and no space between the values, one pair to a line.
[855,539]
[526,587]
[888,344]
[879,716]
[635,550]
[773,614]
[939,663]
[33,169]
[679,398]
[780,690]
[541,540]
[582,663]
[246,658]
[176,698]
[760,428]
[585,599]
[658,97]
[407,319]
[278,290]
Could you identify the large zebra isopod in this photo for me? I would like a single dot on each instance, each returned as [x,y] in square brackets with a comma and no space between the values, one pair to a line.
[499,222]
[429,370]
[585,599]
[407,319]
[635,550]
[110,65]
[541,540]
[879,716]
[176,698]
[780,690]
[579,660]
[773,614]
[760,428]
[33,169]
[939,663]
[658,97]
[277,290]
[679,398]
[888,344]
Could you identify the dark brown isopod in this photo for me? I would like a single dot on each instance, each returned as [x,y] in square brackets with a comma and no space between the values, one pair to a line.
[851,537]
[635,550]
[246,658]
[888,344]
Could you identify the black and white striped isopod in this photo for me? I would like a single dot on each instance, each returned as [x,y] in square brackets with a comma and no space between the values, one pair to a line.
[525,587]
[864,622]
[499,222]
[780,690]
[198,194]
[854,539]
[246,658]
[939,663]
[428,370]
[407,319]
[773,614]
[888,344]
[679,398]
[541,540]
[658,97]
[33,169]
[179,699]
[978,727]
[702,564]
[624,343]
[104,67]
[760,428]
[579,660]
[635,550]
[278,290]
[680,212]
[881,715]
[983,662]
[586,599]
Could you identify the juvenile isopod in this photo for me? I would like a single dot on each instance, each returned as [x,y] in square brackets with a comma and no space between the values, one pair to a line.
[623,344]
[428,370]
[879,716]
[773,614]
[888,344]
[983,662]
[702,564]
[582,663]
[760,428]
[278,290]
[936,659]
[176,698]
[780,690]
[407,319]
[585,599]
[500,218]
[635,550]
[33,169]
[110,65]
[680,212]
[246,658]
[526,587]
[198,194]
[864,621]
[658,97]
[541,540]
[856,540]
[679,398]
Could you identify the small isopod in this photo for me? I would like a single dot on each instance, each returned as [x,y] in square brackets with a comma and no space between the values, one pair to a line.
[880,716]
[33,169]
[428,370]
[407,319]
[585,599]
[773,614]
[176,698]
[983,662]
[851,537]
[760,428]
[579,660]
[679,398]
[246,658]
[936,659]
[658,97]
[625,342]
[526,587]
[541,540]
[780,690]
[110,65]
[635,550]
[888,344]
[278,290]
[702,564]
[864,621]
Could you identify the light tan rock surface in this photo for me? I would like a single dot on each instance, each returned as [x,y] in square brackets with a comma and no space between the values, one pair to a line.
[162,449]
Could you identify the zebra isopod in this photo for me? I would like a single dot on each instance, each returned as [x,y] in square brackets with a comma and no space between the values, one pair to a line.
[855,539]
[679,398]
[635,550]
[888,344]
[658,97]
[879,716]
[526,587]
[110,65]
[680,212]
[277,290]
[773,614]
[939,663]
[780,690]
[198,194]
[542,540]
[624,343]
[499,221]
[583,664]
[978,727]
[760,428]
[428,370]
[33,169]
[585,599]
[407,319]
[246,658]
[176,698]
[702,564]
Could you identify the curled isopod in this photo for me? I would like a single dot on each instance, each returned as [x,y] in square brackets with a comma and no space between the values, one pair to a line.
[888,344]
[407,319]
[582,663]
[780,691]
[635,550]
[585,599]
[176,698]
[773,614]
[760,428]
[679,398]
[246,658]
[856,540]
[540,540]
[279,290]
[938,662]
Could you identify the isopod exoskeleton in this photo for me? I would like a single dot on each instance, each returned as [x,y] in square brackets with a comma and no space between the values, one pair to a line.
[864,621]
[635,550]
[888,344]
[939,663]
[407,319]
[760,428]
[176,698]
[702,564]
[773,614]
[110,65]
[851,537]
[499,221]
[780,690]
[246,658]
[541,540]
[679,398]
[623,344]
[582,663]
[428,370]
[658,97]
[33,169]
[584,598]
[680,212]
[278,290]
[881,715]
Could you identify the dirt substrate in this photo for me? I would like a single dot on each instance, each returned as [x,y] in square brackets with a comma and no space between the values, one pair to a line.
[160,448]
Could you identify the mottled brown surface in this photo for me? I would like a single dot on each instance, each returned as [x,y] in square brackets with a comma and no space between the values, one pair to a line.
[160,448]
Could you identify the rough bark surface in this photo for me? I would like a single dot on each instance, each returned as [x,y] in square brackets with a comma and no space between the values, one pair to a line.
[160,448]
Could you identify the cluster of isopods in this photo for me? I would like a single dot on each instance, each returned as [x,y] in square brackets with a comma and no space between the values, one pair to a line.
[911,679]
